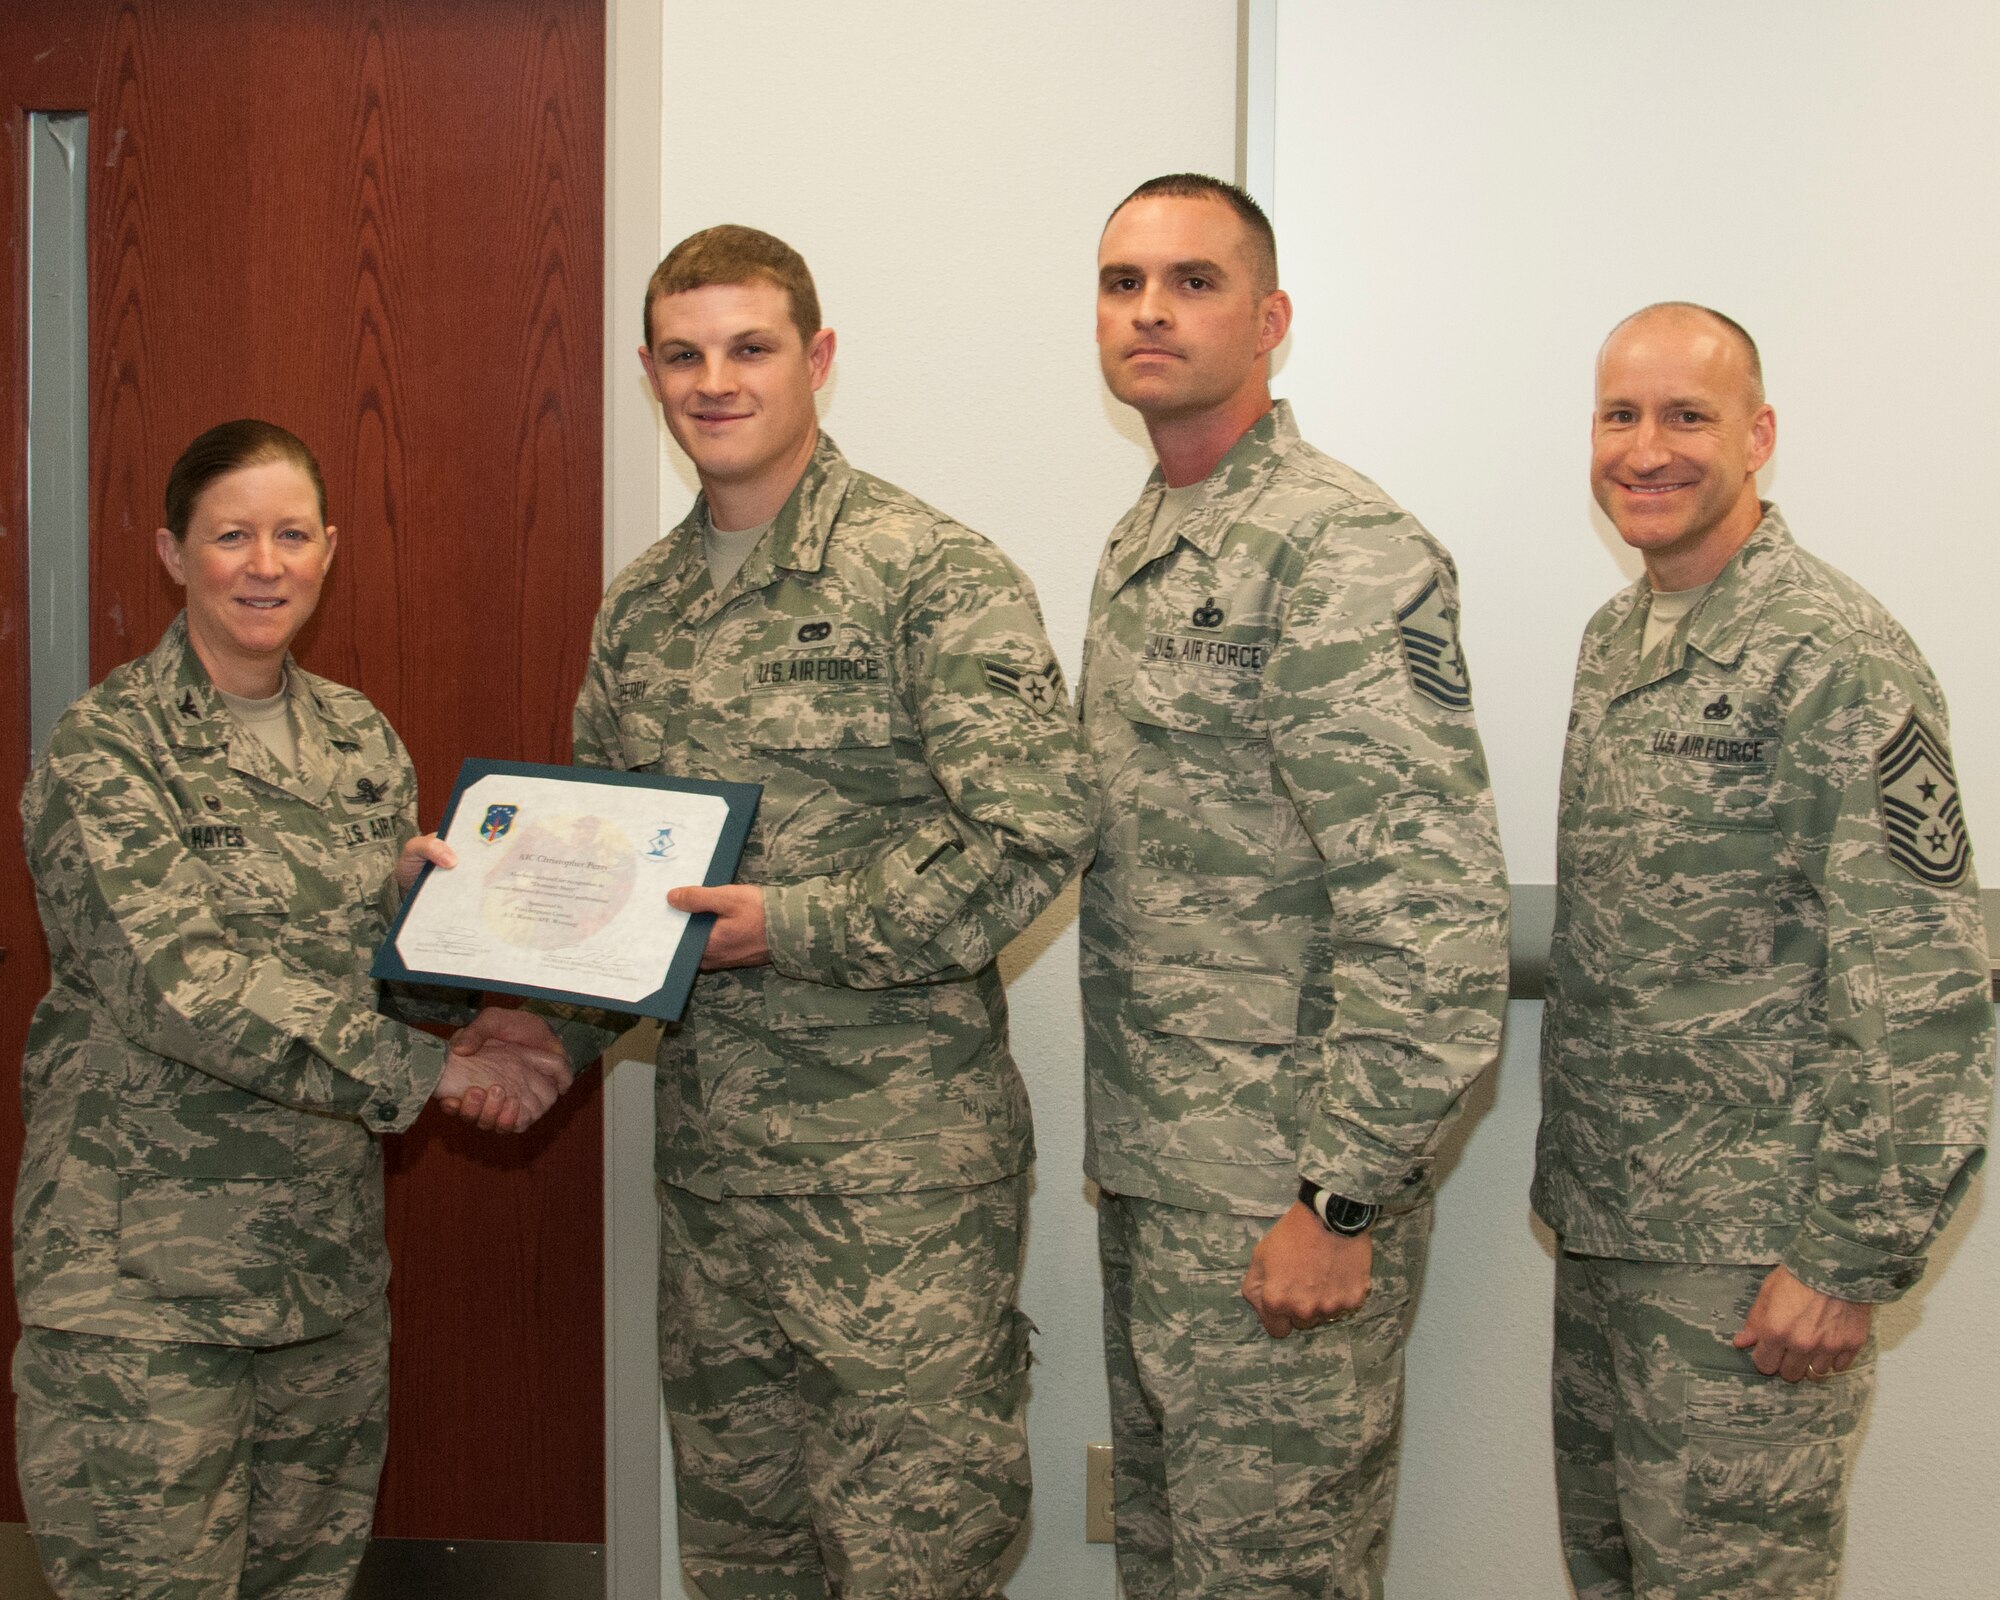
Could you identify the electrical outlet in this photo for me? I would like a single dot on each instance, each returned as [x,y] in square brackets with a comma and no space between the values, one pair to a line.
[1099,1526]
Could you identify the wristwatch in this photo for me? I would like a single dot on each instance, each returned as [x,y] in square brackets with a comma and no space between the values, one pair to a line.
[1337,1214]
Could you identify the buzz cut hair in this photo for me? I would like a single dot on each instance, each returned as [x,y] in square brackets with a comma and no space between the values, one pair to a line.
[1728,324]
[1200,186]
[731,254]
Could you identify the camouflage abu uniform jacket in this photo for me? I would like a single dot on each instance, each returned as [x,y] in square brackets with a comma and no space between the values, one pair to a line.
[1768,1035]
[884,674]
[1295,932]
[207,1075]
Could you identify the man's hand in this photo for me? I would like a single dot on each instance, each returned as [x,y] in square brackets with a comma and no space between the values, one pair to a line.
[504,1071]
[737,939]
[424,847]
[1795,1332]
[1301,1275]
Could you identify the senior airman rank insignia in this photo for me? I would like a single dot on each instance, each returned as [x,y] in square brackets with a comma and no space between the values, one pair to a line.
[1921,818]
[1038,689]
[1430,647]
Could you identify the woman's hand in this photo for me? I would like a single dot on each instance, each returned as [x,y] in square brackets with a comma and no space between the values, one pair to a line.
[424,847]
[505,1069]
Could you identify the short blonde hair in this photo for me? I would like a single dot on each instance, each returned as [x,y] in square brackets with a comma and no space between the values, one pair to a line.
[728,253]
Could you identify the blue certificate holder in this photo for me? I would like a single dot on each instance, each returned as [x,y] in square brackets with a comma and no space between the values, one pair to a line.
[560,888]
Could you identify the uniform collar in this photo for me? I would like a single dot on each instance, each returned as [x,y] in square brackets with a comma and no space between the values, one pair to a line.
[1719,627]
[196,719]
[1721,624]
[796,543]
[1228,492]
[195,715]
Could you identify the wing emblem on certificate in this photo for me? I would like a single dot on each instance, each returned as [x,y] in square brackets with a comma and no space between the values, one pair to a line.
[564,894]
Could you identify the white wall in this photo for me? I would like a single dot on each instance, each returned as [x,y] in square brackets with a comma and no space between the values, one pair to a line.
[1468,197]
[945,171]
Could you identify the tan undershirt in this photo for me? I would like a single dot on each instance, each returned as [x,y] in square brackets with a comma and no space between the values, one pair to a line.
[1665,612]
[271,721]
[1175,504]
[727,550]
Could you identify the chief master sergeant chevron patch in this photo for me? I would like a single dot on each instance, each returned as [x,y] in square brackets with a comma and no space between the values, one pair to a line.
[1921,818]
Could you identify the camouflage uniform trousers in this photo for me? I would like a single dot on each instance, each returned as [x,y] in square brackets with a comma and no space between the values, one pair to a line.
[1247,1467]
[155,1470]
[845,1378]
[1681,1470]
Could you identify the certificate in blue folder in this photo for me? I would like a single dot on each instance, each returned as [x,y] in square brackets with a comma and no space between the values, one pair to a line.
[560,892]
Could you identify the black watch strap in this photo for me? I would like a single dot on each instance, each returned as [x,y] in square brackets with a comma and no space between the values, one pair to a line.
[1337,1213]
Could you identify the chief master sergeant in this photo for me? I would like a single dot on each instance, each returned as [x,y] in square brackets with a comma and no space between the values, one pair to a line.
[843,1138]
[1767,1051]
[1294,935]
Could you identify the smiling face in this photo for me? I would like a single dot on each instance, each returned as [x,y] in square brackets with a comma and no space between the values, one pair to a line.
[1183,325]
[1677,439]
[735,380]
[253,560]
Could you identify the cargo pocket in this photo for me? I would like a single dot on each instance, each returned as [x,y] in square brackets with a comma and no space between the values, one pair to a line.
[1706,1128]
[967,1436]
[1765,1495]
[1220,1049]
[856,1066]
[209,1201]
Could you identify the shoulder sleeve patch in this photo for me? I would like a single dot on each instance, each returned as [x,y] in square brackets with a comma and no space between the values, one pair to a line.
[1430,647]
[1922,822]
[1039,689]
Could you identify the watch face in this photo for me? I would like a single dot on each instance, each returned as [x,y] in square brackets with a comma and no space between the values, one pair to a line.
[1348,1216]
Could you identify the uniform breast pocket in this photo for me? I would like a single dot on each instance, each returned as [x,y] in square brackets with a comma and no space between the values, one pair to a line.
[252,887]
[846,717]
[640,743]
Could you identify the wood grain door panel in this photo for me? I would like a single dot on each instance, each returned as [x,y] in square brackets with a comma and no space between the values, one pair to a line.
[381,225]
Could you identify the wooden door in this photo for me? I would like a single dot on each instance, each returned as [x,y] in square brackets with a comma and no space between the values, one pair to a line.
[379,224]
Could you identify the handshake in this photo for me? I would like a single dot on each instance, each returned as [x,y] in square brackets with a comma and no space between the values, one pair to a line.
[504,1071]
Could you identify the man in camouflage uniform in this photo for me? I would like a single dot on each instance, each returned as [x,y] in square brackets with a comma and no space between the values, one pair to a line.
[1294,935]
[843,1138]
[203,1373]
[1767,1051]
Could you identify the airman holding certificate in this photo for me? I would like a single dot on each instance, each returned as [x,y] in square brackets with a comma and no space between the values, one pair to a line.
[843,1137]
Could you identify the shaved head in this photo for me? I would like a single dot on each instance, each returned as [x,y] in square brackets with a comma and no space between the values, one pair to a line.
[1688,313]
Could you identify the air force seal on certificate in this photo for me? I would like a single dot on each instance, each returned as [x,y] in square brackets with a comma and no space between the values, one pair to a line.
[1430,645]
[1921,819]
[499,819]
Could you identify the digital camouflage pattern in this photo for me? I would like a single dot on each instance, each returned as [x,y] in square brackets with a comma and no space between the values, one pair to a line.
[1769,1036]
[1681,1470]
[207,1078]
[1295,930]
[845,1378]
[884,674]
[1247,1467]
[239,1472]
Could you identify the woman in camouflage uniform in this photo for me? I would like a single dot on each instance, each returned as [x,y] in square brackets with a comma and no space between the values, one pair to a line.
[217,839]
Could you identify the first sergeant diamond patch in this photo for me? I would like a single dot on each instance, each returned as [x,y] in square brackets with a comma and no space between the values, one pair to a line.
[1921,818]
[1430,645]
